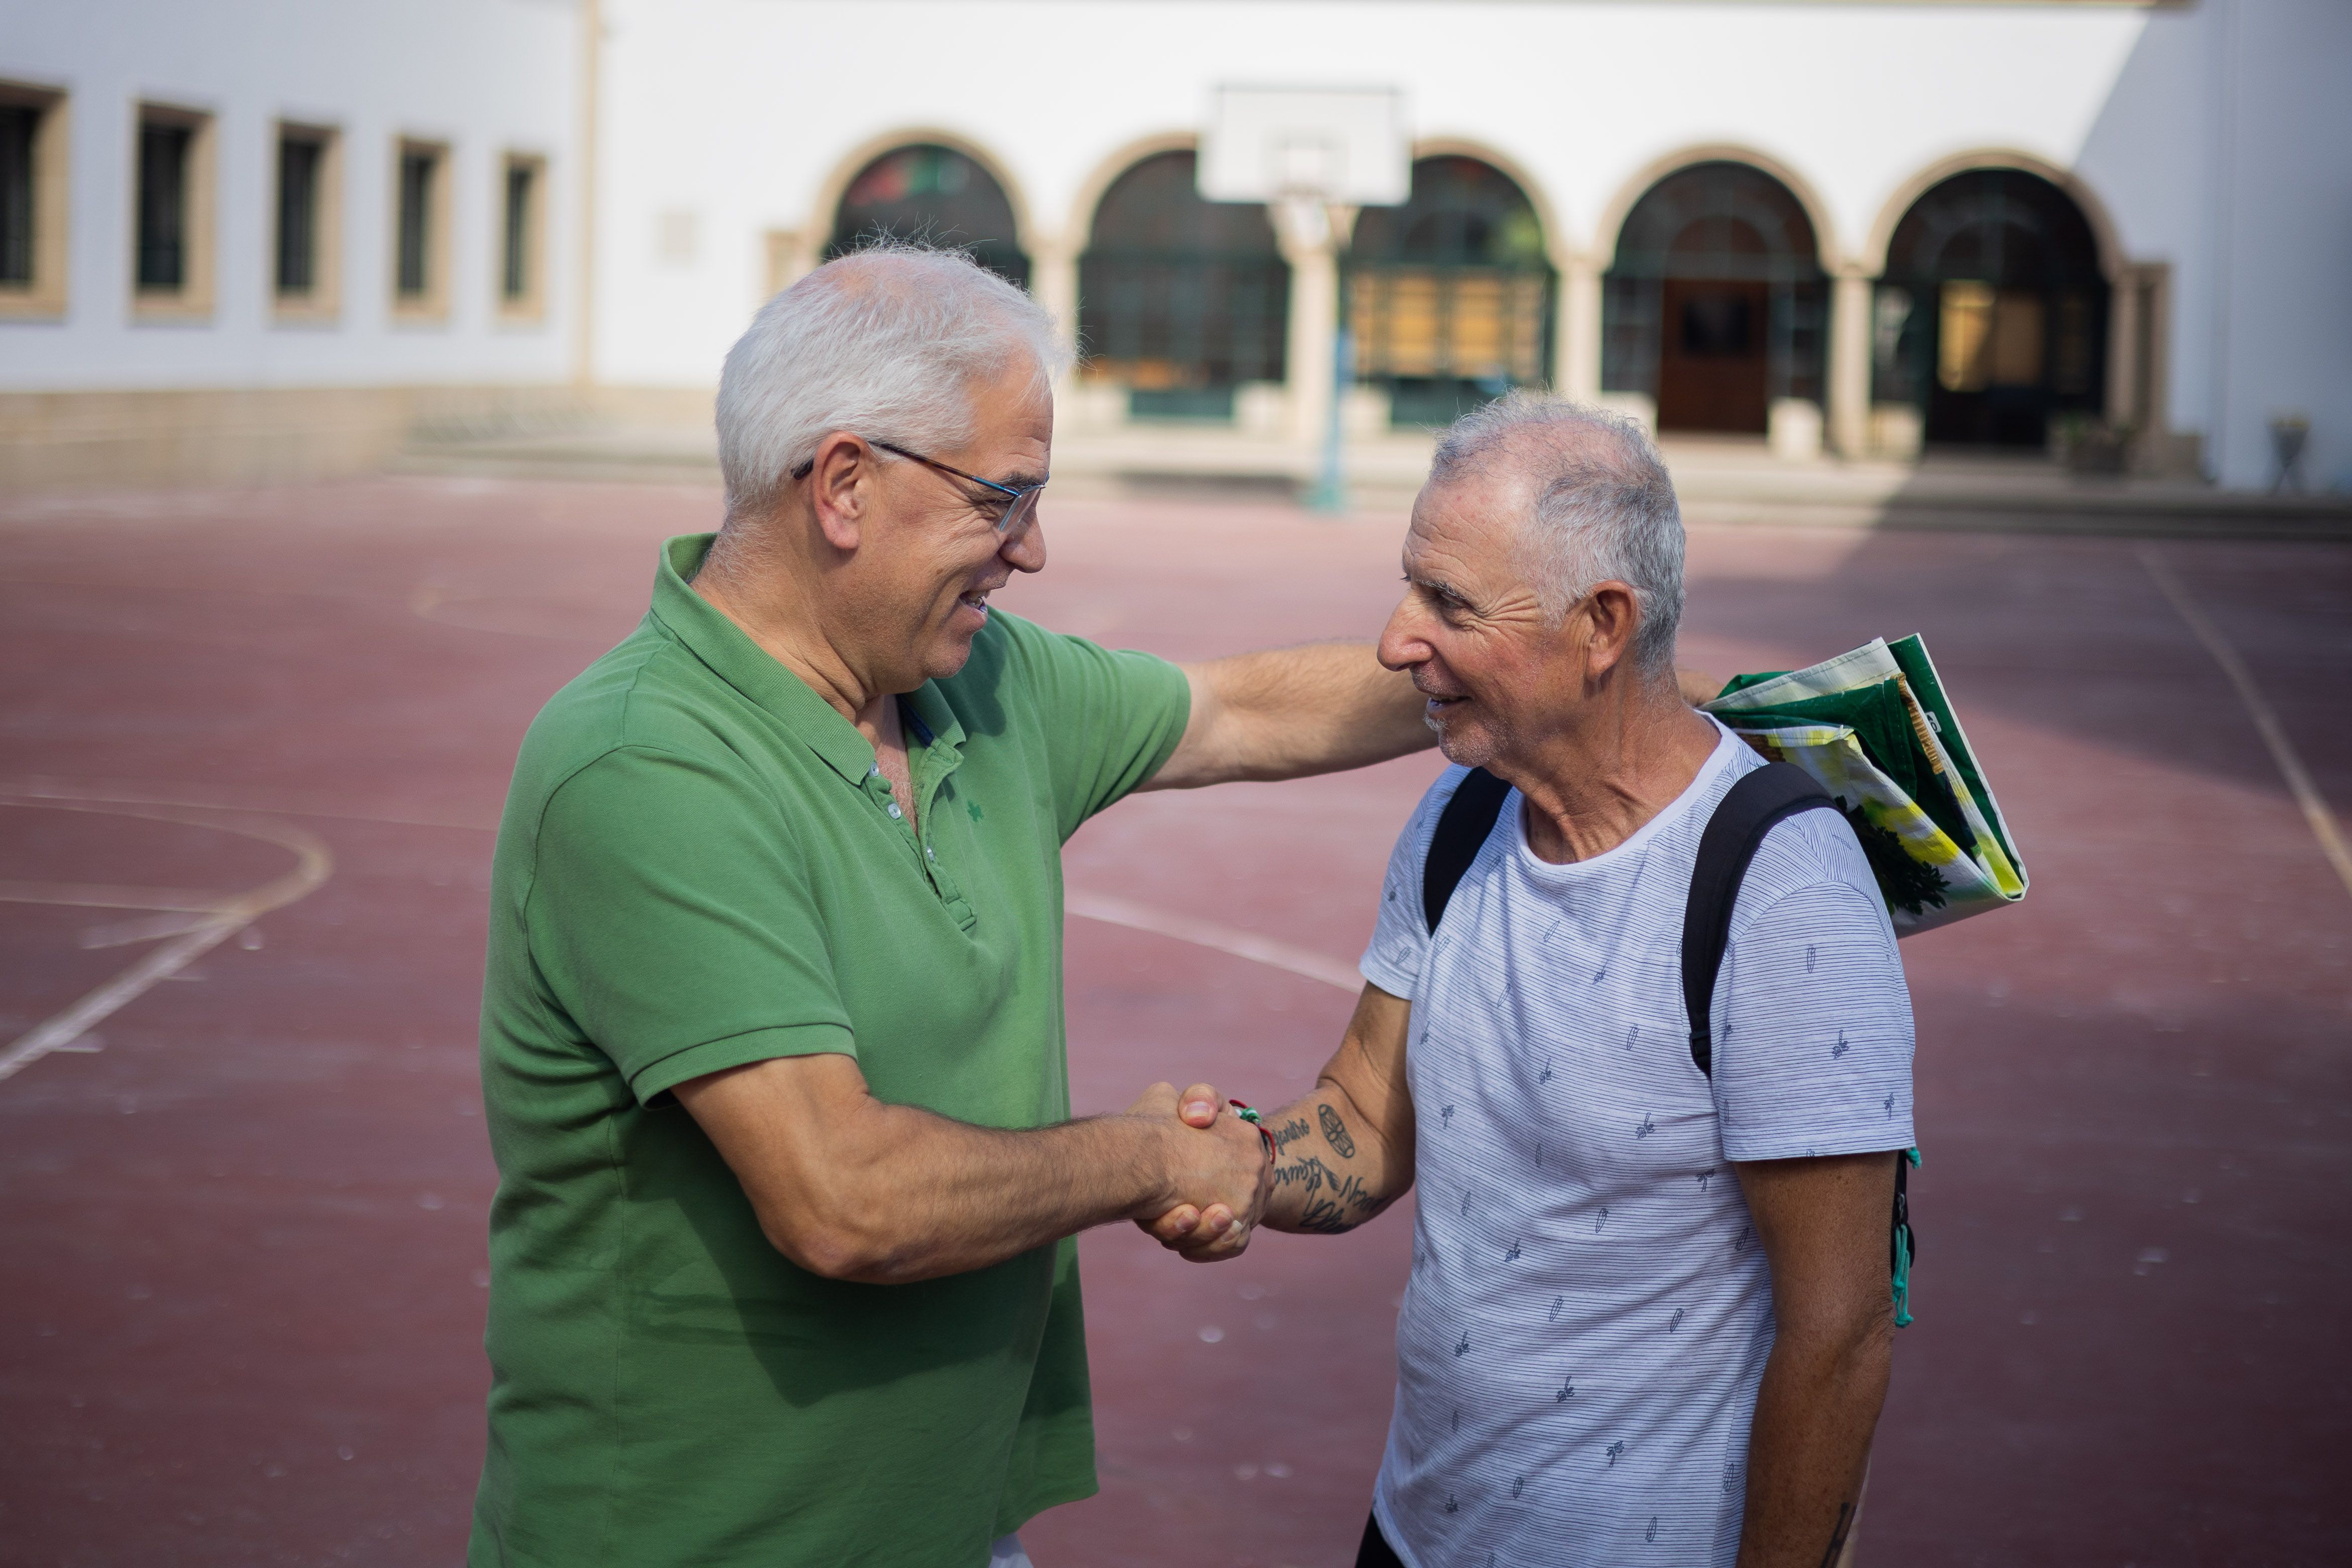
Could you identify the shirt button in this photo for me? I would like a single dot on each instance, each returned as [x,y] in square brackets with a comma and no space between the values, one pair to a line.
[928,854]
[895,813]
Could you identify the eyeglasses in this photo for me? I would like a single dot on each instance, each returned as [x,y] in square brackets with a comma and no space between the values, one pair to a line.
[1021,502]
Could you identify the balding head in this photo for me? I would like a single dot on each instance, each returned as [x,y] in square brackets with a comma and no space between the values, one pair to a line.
[889,343]
[1594,503]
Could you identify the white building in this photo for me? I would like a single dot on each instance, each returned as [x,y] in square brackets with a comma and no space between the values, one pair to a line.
[1850,226]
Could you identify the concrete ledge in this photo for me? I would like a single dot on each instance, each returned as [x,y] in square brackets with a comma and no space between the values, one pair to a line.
[243,436]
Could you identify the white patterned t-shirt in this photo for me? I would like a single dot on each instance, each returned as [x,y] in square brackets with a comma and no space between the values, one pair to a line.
[1589,1314]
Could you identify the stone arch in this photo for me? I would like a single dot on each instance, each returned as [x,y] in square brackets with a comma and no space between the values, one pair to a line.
[1098,180]
[825,212]
[1619,206]
[1548,218]
[1872,257]
[1994,315]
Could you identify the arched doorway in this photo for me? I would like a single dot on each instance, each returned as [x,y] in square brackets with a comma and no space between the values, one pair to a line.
[935,195]
[1716,306]
[1992,314]
[1450,295]
[1180,300]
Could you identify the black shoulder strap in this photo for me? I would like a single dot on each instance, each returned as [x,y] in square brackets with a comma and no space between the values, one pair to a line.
[1744,816]
[1461,830]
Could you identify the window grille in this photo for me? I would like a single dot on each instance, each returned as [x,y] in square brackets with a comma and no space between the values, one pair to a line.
[1992,314]
[1450,296]
[300,164]
[20,124]
[420,168]
[1180,299]
[163,236]
[1716,241]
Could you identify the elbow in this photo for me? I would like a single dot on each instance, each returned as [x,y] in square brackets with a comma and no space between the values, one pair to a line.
[832,1244]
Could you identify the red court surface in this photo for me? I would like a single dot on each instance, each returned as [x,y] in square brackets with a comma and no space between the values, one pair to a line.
[243,1217]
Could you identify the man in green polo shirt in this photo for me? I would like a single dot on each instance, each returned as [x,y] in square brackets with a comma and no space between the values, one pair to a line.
[773,1035]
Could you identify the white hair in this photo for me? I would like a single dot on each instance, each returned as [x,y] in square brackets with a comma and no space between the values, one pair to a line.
[887,342]
[1604,508]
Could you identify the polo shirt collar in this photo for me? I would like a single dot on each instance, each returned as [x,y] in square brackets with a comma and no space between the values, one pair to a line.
[751,670]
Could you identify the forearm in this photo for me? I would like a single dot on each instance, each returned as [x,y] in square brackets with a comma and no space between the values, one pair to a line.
[1809,1444]
[1291,711]
[1332,1169]
[907,1195]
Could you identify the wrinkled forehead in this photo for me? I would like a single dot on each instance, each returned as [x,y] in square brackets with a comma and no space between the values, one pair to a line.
[1470,520]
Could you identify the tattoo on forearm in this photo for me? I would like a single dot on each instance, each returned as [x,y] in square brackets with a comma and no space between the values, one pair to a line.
[1335,1132]
[1333,1203]
[1837,1536]
[1290,1133]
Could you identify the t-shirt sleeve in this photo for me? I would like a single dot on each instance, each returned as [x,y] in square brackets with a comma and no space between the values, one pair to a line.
[1400,944]
[1112,718]
[1811,1021]
[673,921]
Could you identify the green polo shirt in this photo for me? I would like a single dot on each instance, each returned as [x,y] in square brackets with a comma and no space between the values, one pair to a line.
[698,868]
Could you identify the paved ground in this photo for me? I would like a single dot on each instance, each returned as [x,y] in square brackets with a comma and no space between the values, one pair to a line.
[242,1311]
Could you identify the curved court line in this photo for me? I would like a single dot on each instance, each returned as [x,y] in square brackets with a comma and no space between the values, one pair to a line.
[1264,950]
[220,916]
[2299,781]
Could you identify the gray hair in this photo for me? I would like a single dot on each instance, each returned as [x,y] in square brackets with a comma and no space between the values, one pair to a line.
[887,342]
[1604,508]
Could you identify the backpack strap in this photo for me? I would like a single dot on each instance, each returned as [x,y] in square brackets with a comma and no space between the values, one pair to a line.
[1461,830]
[1759,799]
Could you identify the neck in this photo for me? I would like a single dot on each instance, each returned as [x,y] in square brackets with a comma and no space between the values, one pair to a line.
[1593,784]
[753,581]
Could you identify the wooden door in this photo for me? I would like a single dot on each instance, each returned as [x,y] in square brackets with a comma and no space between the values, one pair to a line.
[1712,357]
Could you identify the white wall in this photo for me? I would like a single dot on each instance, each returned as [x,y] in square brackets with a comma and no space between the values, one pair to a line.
[738,109]
[487,76]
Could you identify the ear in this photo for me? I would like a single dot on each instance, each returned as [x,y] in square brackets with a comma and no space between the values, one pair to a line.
[1611,614]
[840,488]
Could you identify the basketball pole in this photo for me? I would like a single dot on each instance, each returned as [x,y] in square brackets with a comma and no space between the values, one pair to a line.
[1330,494]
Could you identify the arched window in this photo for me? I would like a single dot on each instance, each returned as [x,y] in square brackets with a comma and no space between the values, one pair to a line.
[1717,303]
[1182,300]
[1993,313]
[935,195]
[1450,295]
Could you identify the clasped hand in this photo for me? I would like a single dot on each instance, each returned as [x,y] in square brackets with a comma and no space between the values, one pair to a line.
[1218,1170]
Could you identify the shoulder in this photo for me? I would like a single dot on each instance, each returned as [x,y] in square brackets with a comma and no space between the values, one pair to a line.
[646,700]
[1809,869]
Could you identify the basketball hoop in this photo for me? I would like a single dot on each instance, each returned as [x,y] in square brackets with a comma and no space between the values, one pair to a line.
[1313,156]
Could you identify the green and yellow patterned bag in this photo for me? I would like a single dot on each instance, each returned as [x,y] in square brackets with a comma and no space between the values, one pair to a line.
[1876,728]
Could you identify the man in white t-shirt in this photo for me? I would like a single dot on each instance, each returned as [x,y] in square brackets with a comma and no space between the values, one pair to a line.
[1649,1318]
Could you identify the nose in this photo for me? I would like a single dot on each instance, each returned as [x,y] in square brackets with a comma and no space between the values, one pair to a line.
[1023,549]
[1402,646]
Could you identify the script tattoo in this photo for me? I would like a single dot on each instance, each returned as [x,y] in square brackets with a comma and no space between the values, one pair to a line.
[1342,1205]
[1310,1173]
[1286,1134]
[1335,1132]
[1837,1536]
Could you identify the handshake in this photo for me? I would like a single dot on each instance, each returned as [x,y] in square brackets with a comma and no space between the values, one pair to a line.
[1219,1171]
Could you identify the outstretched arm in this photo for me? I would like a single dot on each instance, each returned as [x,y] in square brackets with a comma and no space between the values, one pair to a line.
[852,1188]
[1291,711]
[1344,1151]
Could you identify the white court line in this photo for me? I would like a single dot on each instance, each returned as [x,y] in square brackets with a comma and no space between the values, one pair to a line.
[224,917]
[1207,933]
[2298,778]
[47,790]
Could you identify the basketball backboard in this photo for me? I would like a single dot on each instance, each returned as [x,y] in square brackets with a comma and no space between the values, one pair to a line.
[1341,146]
